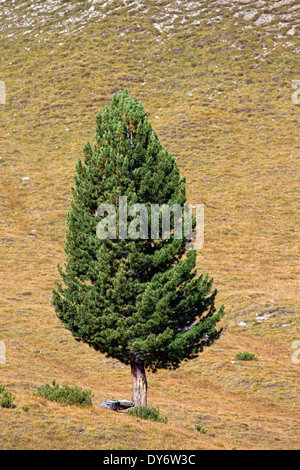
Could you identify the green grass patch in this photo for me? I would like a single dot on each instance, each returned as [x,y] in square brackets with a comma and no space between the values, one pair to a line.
[246,356]
[200,429]
[65,394]
[6,398]
[146,412]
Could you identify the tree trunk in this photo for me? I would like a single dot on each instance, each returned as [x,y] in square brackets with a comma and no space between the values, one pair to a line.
[139,383]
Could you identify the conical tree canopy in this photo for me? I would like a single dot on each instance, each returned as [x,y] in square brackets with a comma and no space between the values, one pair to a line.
[132,299]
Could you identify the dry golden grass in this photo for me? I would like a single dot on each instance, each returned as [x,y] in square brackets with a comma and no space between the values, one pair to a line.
[227,115]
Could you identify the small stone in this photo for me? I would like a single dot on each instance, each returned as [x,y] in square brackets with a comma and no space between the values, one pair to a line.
[116,405]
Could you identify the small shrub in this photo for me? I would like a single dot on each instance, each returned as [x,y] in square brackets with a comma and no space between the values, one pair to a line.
[65,394]
[6,398]
[246,356]
[25,408]
[146,412]
[200,428]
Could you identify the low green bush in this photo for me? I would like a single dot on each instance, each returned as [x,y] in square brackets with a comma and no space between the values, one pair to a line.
[146,412]
[200,428]
[245,356]
[6,398]
[65,394]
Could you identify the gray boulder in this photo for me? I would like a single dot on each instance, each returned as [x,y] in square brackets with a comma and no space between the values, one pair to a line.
[116,405]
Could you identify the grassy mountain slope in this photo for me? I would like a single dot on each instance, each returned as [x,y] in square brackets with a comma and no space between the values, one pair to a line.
[216,79]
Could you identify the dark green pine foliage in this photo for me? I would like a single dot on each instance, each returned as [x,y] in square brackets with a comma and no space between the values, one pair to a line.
[134,300]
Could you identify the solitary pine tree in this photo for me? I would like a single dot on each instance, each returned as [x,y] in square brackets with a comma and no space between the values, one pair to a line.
[137,300]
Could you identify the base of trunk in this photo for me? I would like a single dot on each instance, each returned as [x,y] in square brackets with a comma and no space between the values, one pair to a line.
[139,383]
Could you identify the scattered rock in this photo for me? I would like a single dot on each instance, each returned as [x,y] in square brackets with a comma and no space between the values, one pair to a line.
[267,15]
[116,405]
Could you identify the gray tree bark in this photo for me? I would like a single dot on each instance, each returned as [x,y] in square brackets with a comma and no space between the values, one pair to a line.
[139,383]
